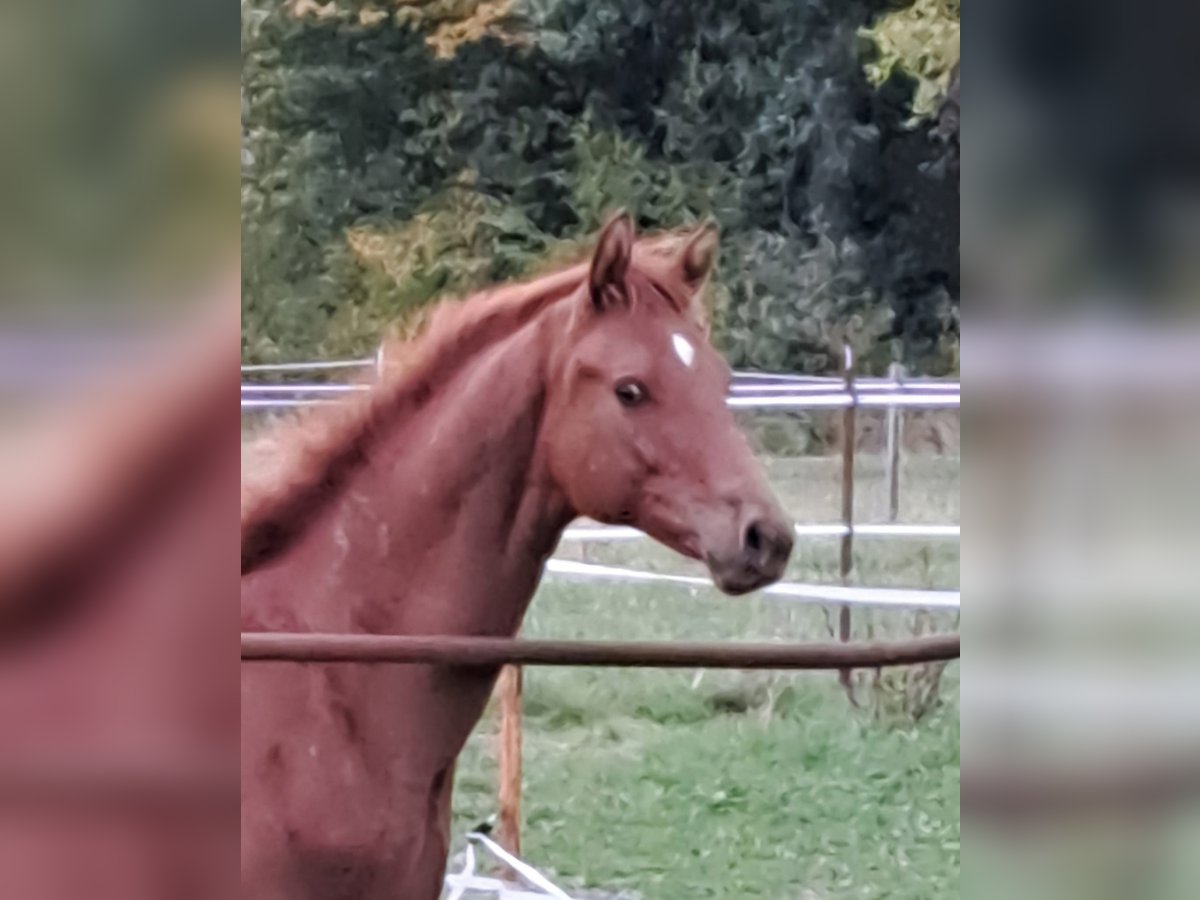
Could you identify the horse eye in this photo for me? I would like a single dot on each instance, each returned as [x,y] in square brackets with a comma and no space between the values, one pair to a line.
[631,393]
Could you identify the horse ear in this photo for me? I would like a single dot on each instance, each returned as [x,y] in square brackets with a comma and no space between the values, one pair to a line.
[610,262]
[699,255]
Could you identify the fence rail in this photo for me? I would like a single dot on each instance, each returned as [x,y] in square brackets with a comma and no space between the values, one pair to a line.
[310,366]
[792,591]
[592,531]
[768,380]
[451,650]
[866,386]
[749,390]
[286,396]
[862,385]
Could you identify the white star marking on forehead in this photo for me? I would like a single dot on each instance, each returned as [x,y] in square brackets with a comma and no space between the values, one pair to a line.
[683,349]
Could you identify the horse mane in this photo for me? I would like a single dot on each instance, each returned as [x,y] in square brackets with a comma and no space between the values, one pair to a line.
[292,471]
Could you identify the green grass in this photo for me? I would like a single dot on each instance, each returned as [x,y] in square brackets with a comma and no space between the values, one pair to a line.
[674,785]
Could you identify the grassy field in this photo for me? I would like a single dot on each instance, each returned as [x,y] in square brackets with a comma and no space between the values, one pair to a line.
[675,785]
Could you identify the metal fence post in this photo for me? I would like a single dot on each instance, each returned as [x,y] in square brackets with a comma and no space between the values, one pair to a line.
[846,562]
[895,426]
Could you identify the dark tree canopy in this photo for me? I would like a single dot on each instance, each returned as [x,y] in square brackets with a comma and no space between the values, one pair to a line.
[392,160]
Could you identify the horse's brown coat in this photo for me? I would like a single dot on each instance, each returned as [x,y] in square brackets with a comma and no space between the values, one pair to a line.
[431,507]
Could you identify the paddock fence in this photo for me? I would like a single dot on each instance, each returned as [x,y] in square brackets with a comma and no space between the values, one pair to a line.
[749,391]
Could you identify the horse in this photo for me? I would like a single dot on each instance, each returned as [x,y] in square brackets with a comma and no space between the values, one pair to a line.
[118,608]
[430,504]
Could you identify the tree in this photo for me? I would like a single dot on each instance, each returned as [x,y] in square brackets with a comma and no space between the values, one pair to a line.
[393,158]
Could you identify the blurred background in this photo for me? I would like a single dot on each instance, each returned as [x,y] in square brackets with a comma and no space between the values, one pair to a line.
[118,159]
[118,449]
[1081,683]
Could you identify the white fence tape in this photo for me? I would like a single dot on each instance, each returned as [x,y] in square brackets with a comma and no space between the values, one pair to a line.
[254,403]
[773,391]
[467,881]
[900,598]
[750,390]
[738,386]
[861,385]
[304,388]
[743,380]
[592,531]
[813,401]
[310,366]
[522,868]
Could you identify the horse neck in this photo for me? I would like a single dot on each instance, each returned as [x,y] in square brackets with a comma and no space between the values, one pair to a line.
[447,526]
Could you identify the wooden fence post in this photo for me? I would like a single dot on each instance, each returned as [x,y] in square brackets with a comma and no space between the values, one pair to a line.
[509,833]
[894,434]
[846,562]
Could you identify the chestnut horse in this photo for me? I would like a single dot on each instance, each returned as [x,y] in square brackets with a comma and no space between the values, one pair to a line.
[431,505]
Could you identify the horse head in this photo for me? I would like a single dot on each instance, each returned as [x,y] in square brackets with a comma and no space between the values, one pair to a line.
[637,429]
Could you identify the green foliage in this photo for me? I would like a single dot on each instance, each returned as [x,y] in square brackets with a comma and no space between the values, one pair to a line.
[394,159]
[787,308]
[610,171]
[458,242]
[714,804]
[922,40]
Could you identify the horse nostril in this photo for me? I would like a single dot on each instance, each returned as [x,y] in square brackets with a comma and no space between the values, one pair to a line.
[761,556]
[753,538]
[766,544]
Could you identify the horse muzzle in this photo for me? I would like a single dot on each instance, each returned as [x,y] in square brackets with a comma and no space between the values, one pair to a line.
[760,556]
